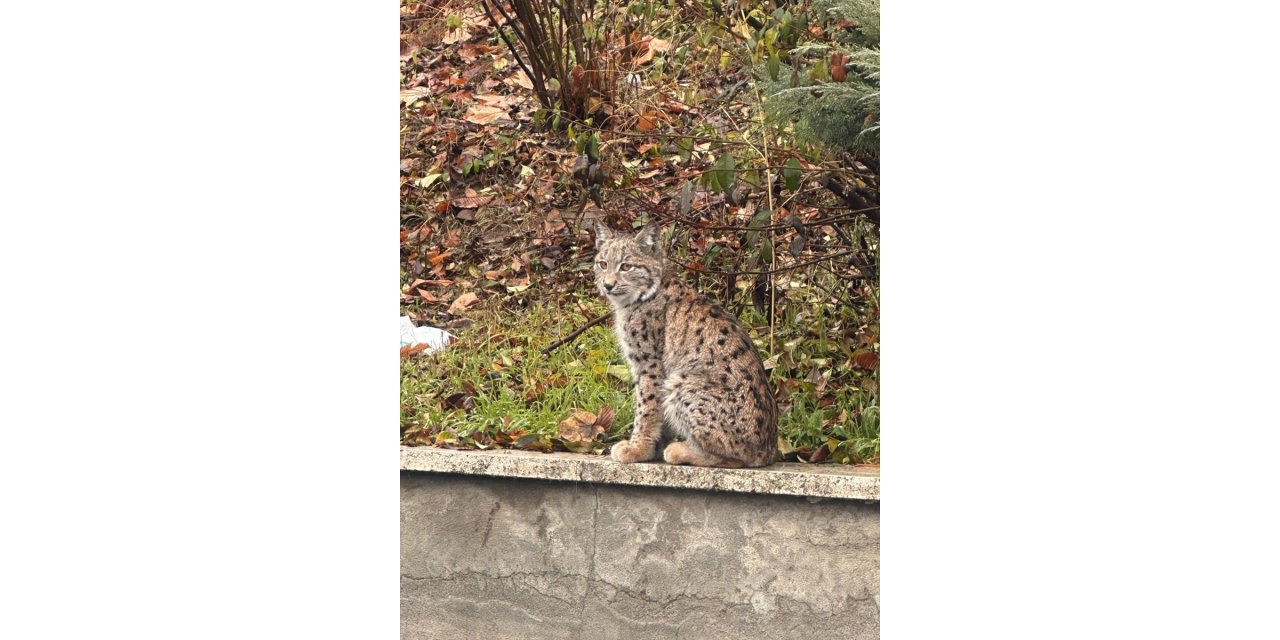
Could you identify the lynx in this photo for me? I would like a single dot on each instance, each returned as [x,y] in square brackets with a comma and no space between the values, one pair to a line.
[700,385]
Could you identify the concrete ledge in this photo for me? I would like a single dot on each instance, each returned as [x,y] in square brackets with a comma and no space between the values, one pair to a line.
[784,478]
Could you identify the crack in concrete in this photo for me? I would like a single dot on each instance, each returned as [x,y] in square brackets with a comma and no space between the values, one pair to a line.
[488,523]
[516,579]
[595,548]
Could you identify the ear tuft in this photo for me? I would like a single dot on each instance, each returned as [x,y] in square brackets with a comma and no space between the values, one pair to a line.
[602,233]
[649,237]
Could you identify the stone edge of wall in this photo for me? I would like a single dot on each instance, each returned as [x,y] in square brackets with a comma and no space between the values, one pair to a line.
[783,478]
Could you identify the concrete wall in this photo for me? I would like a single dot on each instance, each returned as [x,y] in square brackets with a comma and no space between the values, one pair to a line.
[509,558]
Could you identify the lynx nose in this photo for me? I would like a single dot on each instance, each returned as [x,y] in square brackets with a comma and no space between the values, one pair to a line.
[608,286]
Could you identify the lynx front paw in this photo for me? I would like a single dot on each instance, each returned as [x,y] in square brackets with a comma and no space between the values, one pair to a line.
[630,451]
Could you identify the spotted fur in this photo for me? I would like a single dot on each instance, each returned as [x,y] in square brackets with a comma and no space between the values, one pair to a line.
[700,385]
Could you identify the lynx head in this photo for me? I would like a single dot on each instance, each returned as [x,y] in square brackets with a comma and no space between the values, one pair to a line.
[628,268]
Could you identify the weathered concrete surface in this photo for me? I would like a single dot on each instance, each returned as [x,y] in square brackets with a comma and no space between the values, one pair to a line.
[519,559]
[794,478]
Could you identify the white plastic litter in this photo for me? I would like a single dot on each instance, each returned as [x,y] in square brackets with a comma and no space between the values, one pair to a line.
[411,335]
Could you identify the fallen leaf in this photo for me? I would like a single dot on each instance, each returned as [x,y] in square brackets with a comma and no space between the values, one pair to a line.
[495,100]
[461,400]
[584,426]
[456,35]
[444,282]
[482,114]
[469,52]
[408,96]
[578,427]
[463,302]
[605,418]
[471,202]
[819,454]
[519,79]
[784,446]
[866,359]
[413,350]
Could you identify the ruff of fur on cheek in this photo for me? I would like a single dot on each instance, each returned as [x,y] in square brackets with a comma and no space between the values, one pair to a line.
[651,292]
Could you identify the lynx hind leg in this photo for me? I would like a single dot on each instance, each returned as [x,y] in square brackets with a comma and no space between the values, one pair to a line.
[685,452]
[703,417]
[691,419]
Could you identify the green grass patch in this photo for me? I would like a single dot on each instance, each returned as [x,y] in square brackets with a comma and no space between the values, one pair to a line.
[493,388]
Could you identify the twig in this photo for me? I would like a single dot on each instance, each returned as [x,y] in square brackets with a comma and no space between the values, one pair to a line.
[511,47]
[770,227]
[571,337]
[706,269]
[852,198]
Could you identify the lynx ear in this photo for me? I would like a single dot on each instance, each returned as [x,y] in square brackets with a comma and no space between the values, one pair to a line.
[648,238]
[602,233]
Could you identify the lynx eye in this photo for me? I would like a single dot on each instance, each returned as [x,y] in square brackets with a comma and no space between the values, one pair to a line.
[602,264]
[624,267]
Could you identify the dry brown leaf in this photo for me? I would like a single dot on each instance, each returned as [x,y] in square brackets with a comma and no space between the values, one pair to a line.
[442,282]
[483,114]
[471,202]
[407,351]
[866,359]
[408,96]
[580,427]
[495,100]
[648,47]
[604,420]
[819,454]
[519,79]
[469,52]
[456,35]
[463,301]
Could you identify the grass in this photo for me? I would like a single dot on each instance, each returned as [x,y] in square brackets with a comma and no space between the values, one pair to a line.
[493,388]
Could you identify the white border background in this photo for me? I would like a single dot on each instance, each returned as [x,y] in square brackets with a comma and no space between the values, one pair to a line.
[200,275]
